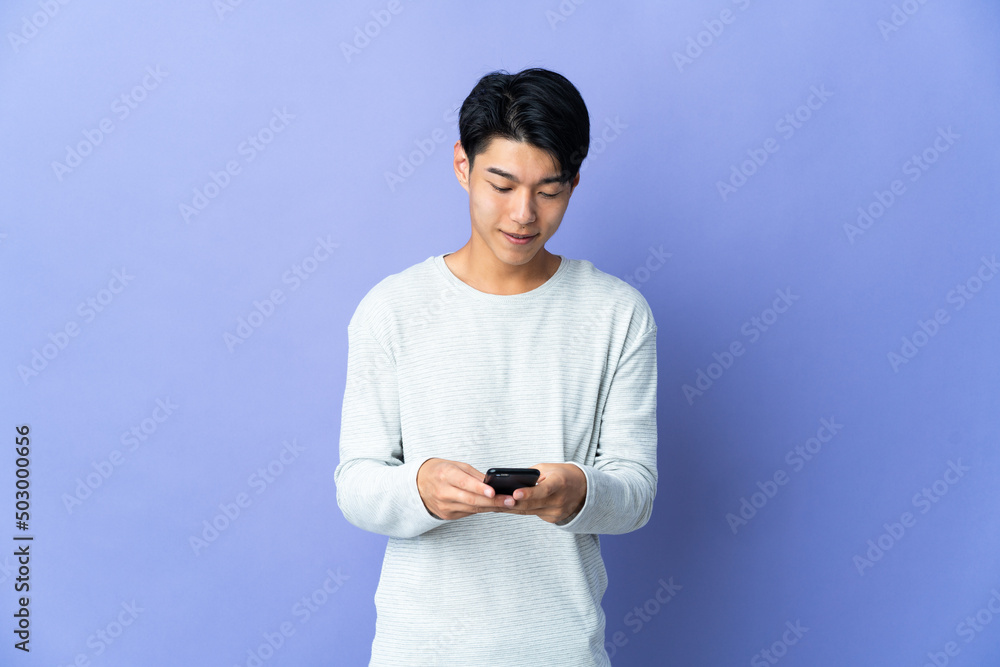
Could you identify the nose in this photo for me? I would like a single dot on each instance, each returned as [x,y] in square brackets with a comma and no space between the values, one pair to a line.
[523,210]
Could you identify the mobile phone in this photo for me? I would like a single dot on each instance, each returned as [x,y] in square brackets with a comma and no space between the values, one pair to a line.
[506,480]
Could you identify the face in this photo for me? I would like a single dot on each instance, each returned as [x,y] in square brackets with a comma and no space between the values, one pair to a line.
[513,189]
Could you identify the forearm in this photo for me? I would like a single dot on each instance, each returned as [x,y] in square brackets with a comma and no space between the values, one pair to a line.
[376,484]
[383,498]
[621,483]
[619,499]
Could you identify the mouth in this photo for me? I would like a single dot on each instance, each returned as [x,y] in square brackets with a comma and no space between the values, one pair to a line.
[519,239]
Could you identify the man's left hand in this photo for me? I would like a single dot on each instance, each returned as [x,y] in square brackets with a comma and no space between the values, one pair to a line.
[559,494]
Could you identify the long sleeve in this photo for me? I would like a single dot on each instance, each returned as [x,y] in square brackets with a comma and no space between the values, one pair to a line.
[621,484]
[565,372]
[376,486]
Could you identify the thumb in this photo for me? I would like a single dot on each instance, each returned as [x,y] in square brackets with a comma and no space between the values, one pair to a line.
[543,470]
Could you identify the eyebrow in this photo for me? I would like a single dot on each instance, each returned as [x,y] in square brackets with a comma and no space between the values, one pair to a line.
[511,177]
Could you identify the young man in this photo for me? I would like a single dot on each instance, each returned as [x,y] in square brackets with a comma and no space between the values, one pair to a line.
[501,354]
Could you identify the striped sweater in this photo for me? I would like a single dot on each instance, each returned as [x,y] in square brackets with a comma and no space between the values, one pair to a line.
[563,373]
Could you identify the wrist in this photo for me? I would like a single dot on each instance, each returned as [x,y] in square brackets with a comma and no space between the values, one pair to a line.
[420,490]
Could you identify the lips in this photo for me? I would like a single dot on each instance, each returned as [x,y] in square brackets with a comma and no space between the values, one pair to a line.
[521,236]
[513,240]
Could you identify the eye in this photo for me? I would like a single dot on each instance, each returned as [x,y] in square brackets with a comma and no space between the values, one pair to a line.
[546,195]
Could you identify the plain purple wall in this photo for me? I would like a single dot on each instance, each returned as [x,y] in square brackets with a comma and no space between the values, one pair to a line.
[733,144]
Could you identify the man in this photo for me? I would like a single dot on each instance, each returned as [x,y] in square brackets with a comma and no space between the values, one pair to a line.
[501,354]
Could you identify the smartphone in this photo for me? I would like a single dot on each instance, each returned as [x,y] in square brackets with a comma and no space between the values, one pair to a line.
[506,480]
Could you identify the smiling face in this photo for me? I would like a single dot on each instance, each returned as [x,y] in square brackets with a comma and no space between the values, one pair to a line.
[514,190]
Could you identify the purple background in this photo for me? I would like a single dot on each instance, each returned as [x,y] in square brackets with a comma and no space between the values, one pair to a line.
[665,133]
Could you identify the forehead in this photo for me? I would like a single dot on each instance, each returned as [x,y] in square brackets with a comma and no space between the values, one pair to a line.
[518,161]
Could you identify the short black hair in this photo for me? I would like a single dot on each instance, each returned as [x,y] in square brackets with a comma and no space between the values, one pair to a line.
[536,106]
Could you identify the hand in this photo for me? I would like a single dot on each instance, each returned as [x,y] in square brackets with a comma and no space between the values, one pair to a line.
[559,494]
[452,490]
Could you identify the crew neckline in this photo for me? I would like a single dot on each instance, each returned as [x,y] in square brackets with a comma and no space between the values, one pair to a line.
[462,286]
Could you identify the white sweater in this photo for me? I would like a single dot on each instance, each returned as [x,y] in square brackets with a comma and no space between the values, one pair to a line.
[564,373]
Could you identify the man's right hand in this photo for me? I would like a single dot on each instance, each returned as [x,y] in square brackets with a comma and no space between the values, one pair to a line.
[452,490]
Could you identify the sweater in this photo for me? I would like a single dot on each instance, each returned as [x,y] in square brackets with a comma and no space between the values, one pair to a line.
[563,373]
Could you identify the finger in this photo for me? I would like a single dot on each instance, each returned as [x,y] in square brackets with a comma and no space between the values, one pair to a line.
[469,470]
[478,489]
[492,505]
[473,481]
[498,503]
[470,499]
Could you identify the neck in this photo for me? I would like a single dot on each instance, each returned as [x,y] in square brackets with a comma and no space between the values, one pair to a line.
[480,268]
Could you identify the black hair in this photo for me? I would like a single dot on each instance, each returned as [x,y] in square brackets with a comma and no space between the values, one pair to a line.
[536,106]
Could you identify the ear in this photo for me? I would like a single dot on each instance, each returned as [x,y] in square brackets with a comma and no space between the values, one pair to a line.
[461,165]
[573,184]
